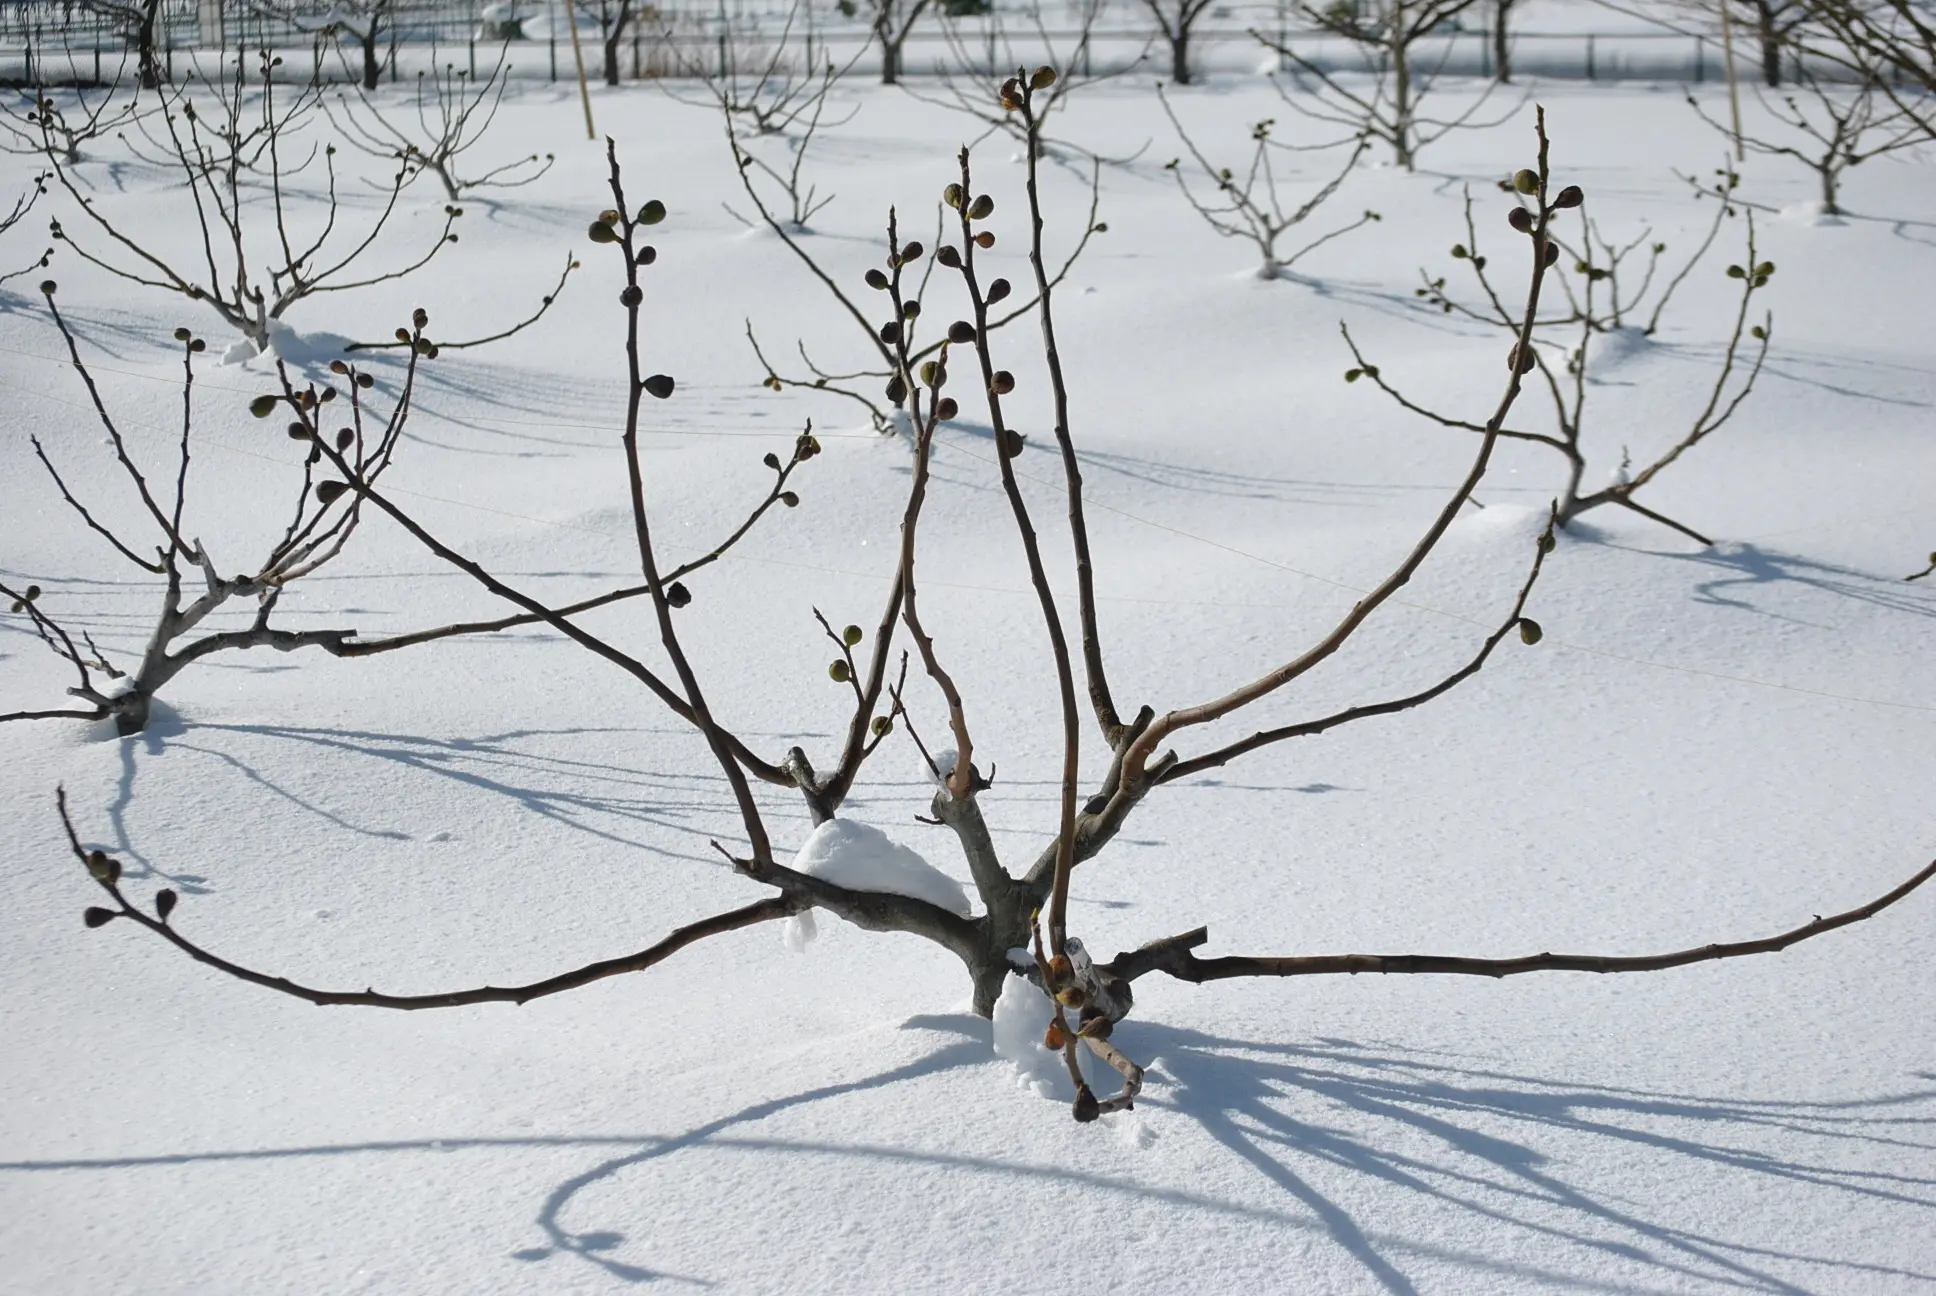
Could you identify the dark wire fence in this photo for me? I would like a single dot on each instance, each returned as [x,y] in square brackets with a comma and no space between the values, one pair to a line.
[61,42]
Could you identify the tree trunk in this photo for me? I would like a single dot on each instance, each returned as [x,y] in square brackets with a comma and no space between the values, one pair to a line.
[150,68]
[1770,43]
[1401,99]
[1180,55]
[1828,175]
[1501,47]
[372,65]
[890,59]
[611,56]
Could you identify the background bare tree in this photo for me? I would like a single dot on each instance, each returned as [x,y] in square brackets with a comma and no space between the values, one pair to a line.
[1025,909]
[137,18]
[67,119]
[1387,35]
[1252,207]
[365,23]
[322,518]
[1834,127]
[454,111]
[1598,306]
[890,21]
[236,148]
[1176,20]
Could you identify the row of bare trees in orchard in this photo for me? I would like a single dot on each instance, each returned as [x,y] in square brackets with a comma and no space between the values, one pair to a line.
[1534,264]
[1779,35]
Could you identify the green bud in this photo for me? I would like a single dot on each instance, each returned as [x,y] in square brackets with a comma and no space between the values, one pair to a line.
[263,406]
[1529,631]
[852,635]
[1526,181]
[652,213]
[839,671]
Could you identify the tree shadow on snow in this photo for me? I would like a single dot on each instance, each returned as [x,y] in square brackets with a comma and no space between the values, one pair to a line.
[1470,1140]
[1497,1147]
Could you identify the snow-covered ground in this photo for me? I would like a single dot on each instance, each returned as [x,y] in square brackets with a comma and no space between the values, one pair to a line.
[1709,744]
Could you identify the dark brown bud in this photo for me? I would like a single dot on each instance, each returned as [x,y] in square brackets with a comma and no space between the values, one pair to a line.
[877,281]
[1521,361]
[1571,196]
[677,595]
[95,916]
[946,408]
[771,461]
[961,332]
[896,389]
[165,900]
[789,499]
[1004,382]
[600,232]
[329,491]
[1011,442]
[912,251]
[1087,1108]
[947,256]
[344,436]
[338,367]
[182,335]
[998,290]
[982,208]
[299,432]
[652,213]
[891,332]
[420,317]
[660,385]
[985,239]
[365,381]
[647,255]
[1520,219]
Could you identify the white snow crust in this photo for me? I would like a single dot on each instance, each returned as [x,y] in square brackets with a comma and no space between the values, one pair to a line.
[1709,743]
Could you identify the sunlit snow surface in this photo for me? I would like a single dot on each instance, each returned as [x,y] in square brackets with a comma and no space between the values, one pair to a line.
[1709,744]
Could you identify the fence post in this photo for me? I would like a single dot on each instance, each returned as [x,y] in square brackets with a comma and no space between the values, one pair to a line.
[1700,60]
[1485,51]
[1589,57]
[554,56]
[473,57]
[636,66]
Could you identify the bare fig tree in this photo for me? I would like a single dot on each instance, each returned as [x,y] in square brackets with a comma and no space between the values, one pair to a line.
[1828,129]
[137,19]
[363,24]
[322,517]
[1387,35]
[1022,908]
[241,150]
[1598,307]
[67,120]
[1251,207]
[453,111]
